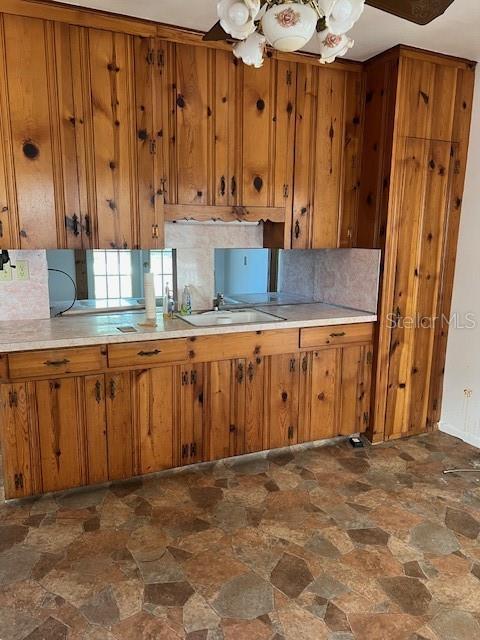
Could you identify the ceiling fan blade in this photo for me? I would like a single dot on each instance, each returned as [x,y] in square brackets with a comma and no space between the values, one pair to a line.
[216,33]
[418,11]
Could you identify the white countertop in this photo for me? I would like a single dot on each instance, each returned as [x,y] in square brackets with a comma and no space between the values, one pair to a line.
[78,331]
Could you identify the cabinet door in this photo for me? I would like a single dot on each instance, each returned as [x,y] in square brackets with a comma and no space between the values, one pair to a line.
[119,425]
[426,168]
[226,79]
[61,436]
[225,408]
[190,133]
[191,422]
[324,390]
[282,400]
[19,440]
[150,60]
[155,401]
[327,165]
[354,405]
[6,231]
[255,405]
[268,134]
[93,394]
[30,122]
[110,58]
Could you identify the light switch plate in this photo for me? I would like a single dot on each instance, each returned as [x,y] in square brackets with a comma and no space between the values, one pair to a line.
[22,271]
[6,273]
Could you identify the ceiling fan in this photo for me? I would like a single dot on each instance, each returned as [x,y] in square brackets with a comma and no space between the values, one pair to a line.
[287,25]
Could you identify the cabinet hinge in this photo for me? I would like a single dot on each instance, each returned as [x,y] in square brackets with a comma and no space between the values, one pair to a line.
[240,373]
[153,146]
[13,399]
[289,76]
[293,365]
[160,58]
[155,231]
[151,57]
[193,449]
[185,449]
[305,364]
[193,377]
[290,433]
[251,372]
[185,378]
[286,190]
[98,391]
[366,417]
[18,479]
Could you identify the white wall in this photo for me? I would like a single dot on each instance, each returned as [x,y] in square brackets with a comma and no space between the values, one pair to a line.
[26,300]
[461,413]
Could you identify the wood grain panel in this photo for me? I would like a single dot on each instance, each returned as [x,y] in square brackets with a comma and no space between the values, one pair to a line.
[191,414]
[119,425]
[93,393]
[328,158]
[193,122]
[220,401]
[19,441]
[324,394]
[282,400]
[350,389]
[352,157]
[26,66]
[111,77]
[258,113]
[226,78]
[61,433]
[60,361]
[251,344]
[254,404]
[155,392]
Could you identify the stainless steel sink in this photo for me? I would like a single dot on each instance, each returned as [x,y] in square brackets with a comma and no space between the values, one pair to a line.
[239,316]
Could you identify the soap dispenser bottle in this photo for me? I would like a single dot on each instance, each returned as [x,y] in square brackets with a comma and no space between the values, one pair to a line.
[186,309]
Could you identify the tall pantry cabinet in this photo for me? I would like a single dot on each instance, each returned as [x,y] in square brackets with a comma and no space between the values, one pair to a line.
[418,109]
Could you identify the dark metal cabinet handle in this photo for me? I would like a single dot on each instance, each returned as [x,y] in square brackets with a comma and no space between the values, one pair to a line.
[148,354]
[240,371]
[223,185]
[297,230]
[113,389]
[88,230]
[293,365]
[98,391]
[56,363]
[233,186]
[305,364]
[338,335]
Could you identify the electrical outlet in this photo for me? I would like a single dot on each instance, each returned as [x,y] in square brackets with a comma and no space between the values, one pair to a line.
[22,272]
[6,273]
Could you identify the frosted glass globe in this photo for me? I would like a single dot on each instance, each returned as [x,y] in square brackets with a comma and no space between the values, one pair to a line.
[238,13]
[342,10]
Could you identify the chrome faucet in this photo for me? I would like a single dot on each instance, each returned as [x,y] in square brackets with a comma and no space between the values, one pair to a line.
[219,301]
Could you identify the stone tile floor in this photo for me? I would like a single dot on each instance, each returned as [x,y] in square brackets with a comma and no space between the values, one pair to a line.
[327,543]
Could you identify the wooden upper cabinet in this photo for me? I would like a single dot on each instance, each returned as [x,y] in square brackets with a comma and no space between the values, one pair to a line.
[6,235]
[327,157]
[111,64]
[268,130]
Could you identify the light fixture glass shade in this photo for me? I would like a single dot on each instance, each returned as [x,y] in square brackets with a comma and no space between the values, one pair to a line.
[289,26]
[333,46]
[251,50]
[237,17]
[343,15]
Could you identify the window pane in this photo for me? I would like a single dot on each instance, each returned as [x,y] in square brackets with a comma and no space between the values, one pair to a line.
[113,286]
[125,263]
[99,266]
[112,262]
[167,262]
[100,287]
[126,286]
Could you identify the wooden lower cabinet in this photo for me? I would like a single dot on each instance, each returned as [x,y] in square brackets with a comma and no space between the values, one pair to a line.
[282,398]
[190,384]
[66,432]
[335,398]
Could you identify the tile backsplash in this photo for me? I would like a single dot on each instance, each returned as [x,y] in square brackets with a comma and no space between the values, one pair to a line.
[347,277]
[26,299]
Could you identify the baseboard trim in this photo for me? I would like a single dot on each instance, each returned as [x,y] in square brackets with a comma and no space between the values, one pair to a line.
[469,438]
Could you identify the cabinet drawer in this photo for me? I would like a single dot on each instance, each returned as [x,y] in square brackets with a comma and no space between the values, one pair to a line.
[336,334]
[54,362]
[243,345]
[147,353]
